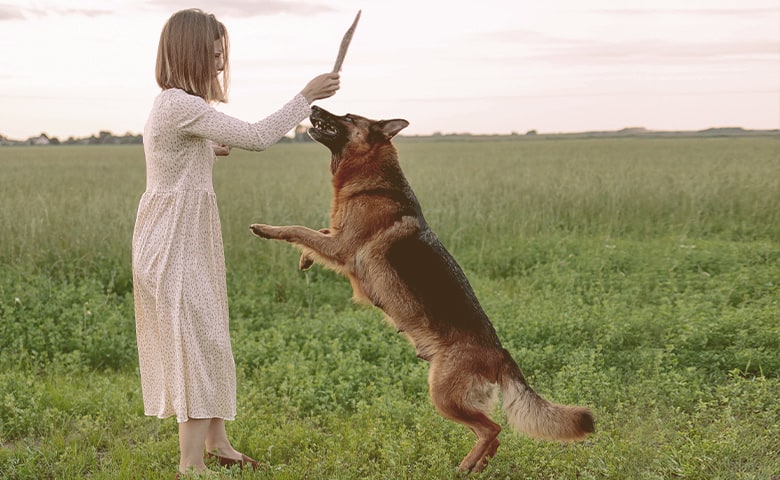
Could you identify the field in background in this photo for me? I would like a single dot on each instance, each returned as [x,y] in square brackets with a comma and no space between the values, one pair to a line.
[636,276]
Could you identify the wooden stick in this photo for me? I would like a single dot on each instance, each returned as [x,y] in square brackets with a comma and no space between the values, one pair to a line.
[345,44]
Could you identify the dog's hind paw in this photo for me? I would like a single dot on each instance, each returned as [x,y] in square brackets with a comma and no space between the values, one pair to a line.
[305,262]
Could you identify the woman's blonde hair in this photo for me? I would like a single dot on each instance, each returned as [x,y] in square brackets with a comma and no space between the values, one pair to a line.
[186,56]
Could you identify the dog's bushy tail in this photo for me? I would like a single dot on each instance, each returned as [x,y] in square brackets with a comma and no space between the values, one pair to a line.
[536,417]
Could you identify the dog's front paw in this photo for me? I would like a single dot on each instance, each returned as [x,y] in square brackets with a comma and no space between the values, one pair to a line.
[264,231]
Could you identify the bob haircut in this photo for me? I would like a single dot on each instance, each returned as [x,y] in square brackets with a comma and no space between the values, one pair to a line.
[186,56]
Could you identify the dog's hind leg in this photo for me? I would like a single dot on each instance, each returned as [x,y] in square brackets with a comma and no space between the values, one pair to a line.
[466,399]
[482,451]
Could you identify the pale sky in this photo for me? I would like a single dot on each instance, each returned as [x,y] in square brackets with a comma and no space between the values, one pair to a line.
[73,68]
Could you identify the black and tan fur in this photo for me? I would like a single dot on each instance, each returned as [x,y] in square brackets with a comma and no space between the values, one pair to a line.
[380,240]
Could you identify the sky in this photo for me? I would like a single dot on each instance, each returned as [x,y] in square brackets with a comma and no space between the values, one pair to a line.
[76,67]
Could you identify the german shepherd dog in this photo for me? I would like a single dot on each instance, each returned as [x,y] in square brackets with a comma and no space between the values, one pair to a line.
[380,240]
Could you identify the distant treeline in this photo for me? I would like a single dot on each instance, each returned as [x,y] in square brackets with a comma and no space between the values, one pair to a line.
[102,138]
[108,138]
[637,132]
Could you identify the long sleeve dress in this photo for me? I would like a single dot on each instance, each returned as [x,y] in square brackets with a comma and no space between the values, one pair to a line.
[181,312]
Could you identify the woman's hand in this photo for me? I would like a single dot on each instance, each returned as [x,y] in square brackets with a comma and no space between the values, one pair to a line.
[220,150]
[321,86]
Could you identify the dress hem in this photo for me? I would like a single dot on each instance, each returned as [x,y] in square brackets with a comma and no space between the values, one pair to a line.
[227,418]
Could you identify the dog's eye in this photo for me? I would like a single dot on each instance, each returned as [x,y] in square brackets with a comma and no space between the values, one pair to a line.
[349,118]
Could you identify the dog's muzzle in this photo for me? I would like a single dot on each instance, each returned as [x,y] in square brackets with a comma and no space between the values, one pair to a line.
[324,127]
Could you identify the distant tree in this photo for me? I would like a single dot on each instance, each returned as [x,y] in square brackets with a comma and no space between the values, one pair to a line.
[105,137]
[41,139]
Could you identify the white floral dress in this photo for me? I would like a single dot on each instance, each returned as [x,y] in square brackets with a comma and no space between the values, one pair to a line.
[181,312]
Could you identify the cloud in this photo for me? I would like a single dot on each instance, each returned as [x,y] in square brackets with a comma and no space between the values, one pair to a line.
[520,36]
[222,8]
[248,8]
[8,12]
[698,12]
[664,52]
[87,12]
[524,45]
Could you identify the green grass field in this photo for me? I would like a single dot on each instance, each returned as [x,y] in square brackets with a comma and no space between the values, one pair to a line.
[638,277]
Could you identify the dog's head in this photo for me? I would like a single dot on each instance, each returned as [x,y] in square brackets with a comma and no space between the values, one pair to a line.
[350,135]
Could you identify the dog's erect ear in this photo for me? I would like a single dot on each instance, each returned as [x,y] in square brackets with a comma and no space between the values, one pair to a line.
[390,128]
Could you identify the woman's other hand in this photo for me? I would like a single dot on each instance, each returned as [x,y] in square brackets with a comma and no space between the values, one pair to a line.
[220,150]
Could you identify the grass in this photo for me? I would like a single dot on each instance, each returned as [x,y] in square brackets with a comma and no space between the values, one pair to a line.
[636,276]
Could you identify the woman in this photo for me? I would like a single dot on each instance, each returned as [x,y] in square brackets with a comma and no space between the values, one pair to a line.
[181,311]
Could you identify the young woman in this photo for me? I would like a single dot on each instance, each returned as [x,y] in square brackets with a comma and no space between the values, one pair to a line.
[181,311]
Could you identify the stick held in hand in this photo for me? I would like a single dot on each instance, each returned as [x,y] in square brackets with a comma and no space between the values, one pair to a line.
[345,44]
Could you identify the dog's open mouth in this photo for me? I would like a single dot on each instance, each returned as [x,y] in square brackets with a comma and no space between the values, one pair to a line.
[323,127]
[326,129]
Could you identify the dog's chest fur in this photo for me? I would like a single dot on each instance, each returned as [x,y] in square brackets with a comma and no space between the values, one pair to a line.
[400,266]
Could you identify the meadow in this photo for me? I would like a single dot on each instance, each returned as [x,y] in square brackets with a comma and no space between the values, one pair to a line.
[639,277]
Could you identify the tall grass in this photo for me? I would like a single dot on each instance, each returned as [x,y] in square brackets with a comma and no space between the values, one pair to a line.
[636,276]
[622,187]
[80,201]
